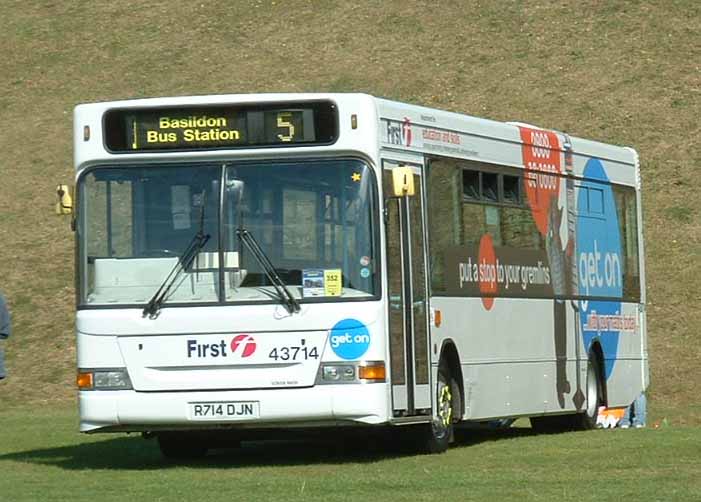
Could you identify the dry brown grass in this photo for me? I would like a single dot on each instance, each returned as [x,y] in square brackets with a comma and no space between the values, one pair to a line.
[622,72]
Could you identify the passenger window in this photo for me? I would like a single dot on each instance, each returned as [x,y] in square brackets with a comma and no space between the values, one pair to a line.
[512,189]
[596,201]
[626,203]
[471,184]
[518,229]
[490,187]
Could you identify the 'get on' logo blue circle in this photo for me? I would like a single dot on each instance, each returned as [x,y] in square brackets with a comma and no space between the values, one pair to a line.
[349,339]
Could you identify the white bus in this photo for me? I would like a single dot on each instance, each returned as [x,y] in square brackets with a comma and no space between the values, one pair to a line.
[267,262]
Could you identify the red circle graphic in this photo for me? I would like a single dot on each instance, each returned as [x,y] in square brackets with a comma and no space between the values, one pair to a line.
[487,271]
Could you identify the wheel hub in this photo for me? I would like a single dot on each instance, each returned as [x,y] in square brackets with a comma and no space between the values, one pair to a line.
[445,406]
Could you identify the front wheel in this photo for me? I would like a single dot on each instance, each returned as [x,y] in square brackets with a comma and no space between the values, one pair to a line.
[439,432]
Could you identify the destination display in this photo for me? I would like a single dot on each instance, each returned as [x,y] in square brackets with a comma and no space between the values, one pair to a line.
[212,127]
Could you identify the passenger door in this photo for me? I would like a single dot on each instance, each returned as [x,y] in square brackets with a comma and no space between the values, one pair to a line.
[408,301]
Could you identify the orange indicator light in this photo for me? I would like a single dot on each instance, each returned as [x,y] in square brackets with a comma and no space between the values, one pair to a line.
[437,318]
[373,371]
[84,381]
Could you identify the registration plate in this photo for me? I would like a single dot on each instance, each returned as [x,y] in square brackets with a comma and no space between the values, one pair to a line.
[228,410]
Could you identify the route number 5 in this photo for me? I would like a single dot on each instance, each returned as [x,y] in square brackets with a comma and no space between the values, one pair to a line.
[284,121]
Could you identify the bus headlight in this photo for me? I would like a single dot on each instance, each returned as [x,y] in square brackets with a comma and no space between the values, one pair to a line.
[104,379]
[337,372]
[360,372]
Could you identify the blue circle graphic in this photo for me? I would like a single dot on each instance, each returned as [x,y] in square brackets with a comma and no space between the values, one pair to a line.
[599,260]
[349,339]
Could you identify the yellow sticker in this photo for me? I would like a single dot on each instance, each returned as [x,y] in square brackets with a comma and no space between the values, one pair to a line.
[356,177]
[333,283]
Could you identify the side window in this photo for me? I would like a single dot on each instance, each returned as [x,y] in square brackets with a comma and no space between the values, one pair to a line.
[595,199]
[512,189]
[474,223]
[494,203]
[490,187]
[627,212]
[466,201]
[471,184]
[518,229]
[446,186]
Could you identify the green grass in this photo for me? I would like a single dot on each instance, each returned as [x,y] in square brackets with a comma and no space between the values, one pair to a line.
[43,457]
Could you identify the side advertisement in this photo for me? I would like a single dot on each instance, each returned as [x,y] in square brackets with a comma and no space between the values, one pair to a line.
[580,256]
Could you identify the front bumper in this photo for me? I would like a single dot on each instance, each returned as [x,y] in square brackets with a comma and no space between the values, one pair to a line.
[322,405]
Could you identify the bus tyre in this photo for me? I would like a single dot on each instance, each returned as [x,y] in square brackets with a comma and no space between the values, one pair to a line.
[587,419]
[440,430]
[181,446]
[584,420]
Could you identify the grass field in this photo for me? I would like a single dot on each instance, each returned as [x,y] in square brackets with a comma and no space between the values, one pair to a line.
[45,459]
[626,72]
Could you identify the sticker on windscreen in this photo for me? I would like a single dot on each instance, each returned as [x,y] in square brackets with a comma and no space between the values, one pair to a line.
[349,339]
[322,282]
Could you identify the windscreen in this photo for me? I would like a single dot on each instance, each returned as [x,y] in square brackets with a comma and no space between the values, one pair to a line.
[312,221]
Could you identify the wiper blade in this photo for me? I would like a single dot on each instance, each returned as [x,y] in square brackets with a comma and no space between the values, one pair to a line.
[285,295]
[184,262]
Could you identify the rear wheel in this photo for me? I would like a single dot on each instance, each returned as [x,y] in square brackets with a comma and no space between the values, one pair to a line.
[581,421]
[587,419]
[181,446]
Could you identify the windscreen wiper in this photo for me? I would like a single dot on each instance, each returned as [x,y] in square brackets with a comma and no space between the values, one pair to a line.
[184,262]
[286,296]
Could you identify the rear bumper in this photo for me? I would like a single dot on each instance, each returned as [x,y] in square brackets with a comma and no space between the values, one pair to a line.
[130,411]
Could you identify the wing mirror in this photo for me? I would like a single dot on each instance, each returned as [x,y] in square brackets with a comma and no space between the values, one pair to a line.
[64,205]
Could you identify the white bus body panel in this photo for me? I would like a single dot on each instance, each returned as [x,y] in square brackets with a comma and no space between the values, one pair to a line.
[168,370]
[508,358]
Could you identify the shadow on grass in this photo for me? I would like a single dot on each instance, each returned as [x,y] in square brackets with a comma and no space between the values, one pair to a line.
[134,453]
[465,437]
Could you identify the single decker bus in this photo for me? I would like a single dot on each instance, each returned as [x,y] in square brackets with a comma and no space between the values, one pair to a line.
[251,264]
